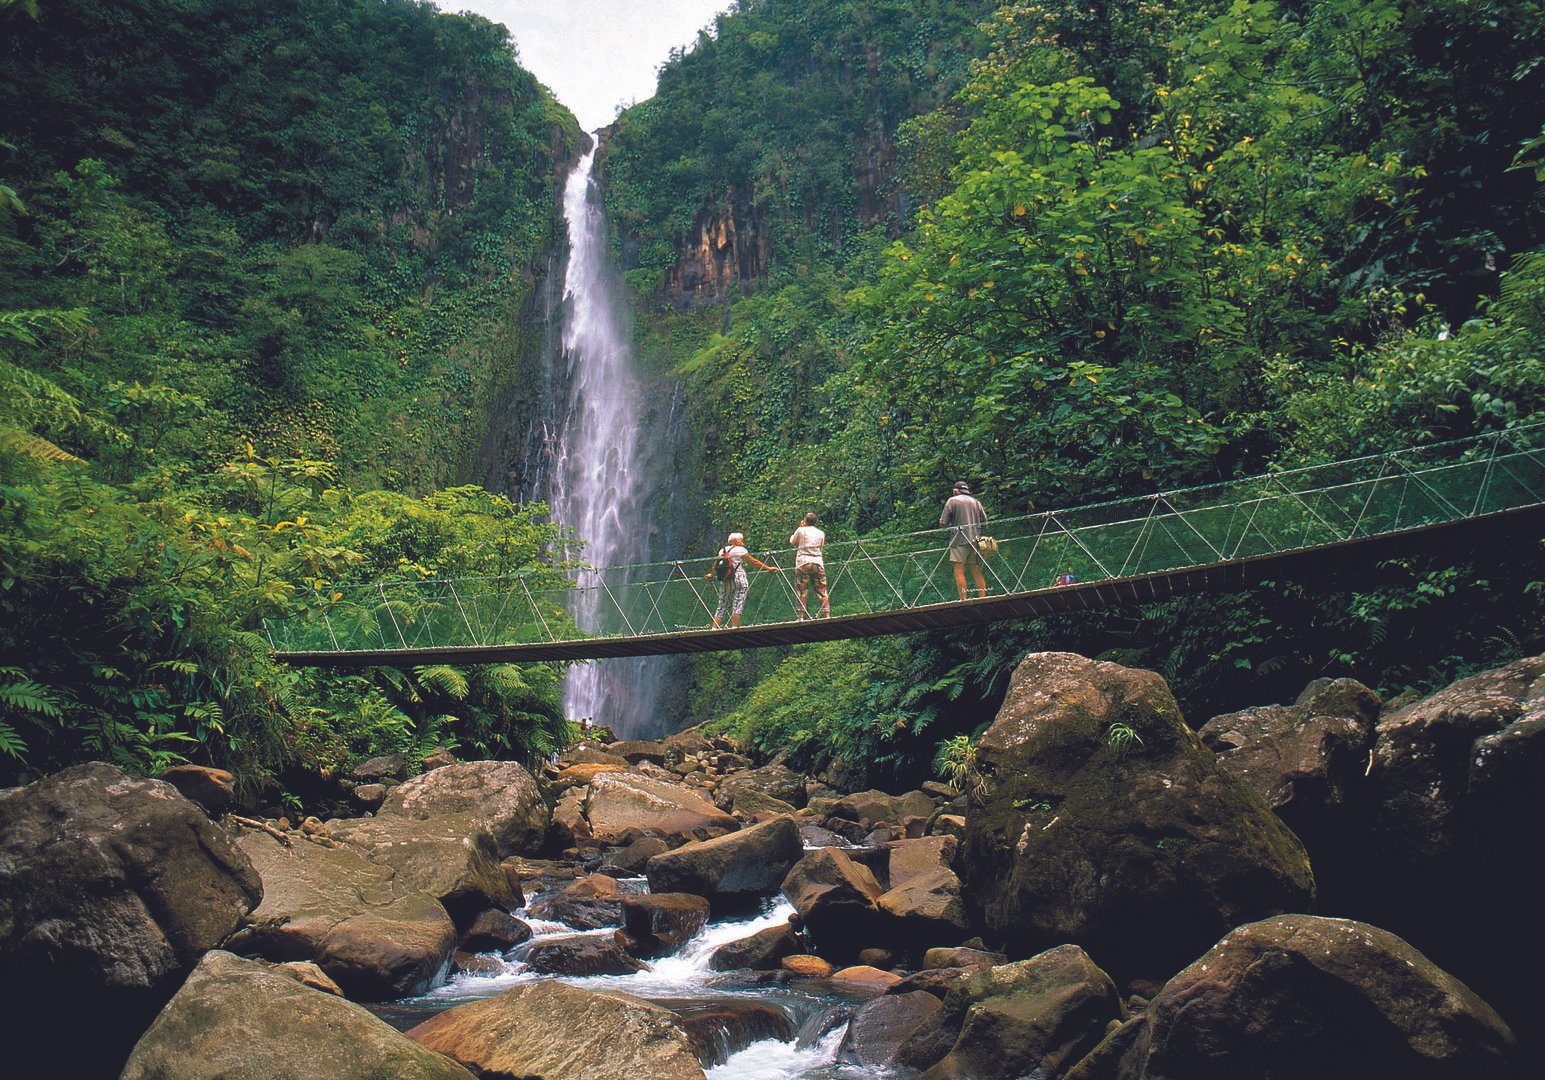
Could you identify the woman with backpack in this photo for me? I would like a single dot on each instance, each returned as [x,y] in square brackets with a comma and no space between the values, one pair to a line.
[729,573]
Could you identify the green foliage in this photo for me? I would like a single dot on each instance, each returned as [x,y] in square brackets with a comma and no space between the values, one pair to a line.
[1142,246]
[955,761]
[264,261]
[1123,738]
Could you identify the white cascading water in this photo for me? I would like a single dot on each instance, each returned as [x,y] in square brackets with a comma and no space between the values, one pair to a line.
[598,485]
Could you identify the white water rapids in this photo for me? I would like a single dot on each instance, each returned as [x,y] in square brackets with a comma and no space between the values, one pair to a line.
[687,975]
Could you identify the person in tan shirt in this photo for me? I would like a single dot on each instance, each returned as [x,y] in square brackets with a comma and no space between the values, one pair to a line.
[810,565]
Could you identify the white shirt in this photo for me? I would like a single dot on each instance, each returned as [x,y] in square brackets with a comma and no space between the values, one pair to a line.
[808,539]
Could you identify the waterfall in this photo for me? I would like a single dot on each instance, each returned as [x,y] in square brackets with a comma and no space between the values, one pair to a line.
[609,435]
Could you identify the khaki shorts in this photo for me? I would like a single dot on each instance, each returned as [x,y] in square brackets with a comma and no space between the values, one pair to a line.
[964,554]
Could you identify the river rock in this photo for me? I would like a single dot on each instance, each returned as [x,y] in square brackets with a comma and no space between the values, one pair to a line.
[770,781]
[1037,1017]
[660,923]
[880,1027]
[560,1032]
[376,769]
[836,900]
[581,773]
[569,827]
[452,857]
[753,805]
[961,957]
[111,889]
[909,858]
[761,951]
[632,859]
[1298,995]
[213,789]
[634,751]
[1144,851]
[807,966]
[235,1020]
[876,807]
[438,758]
[494,931]
[588,903]
[588,756]
[718,1027]
[620,802]
[865,977]
[581,954]
[307,974]
[500,796]
[733,869]
[685,744]
[376,937]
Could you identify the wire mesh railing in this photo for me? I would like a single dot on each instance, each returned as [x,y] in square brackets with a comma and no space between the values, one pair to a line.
[1216,524]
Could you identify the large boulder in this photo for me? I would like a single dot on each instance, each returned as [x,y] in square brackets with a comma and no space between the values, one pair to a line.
[1298,995]
[1309,762]
[375,936]
[111,889]
[657,924]
[500,796]
[930,908]
[560,1032]
[909,858]
[1105,822]
[1458,797]
[235,1019]
[836,899]
[1037,1017]
[731,870]
[623,805]
[452,857]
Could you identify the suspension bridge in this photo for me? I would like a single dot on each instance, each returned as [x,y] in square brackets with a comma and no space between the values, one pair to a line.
[1218,536]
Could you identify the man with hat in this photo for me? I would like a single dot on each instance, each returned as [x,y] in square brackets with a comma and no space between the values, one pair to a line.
[965,516]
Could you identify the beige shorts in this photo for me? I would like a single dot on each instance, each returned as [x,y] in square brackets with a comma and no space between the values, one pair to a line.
[964,554]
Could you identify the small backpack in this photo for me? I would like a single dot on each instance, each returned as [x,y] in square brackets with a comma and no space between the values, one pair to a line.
[723,566]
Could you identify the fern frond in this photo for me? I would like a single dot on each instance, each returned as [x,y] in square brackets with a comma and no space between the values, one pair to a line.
[33,446]
[11,744]
[31,697]
[448,680]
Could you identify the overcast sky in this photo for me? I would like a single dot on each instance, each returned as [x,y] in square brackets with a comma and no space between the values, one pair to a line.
[596,55]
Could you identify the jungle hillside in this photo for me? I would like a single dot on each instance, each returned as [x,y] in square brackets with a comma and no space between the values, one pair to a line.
[1074,251]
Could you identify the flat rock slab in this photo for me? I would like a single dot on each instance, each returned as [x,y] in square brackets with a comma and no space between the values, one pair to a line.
[236,1020]
[624,804]
[500,795]
[560,1032]
[378,938]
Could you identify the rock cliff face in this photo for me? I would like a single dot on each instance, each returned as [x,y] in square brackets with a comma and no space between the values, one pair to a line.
[726,248]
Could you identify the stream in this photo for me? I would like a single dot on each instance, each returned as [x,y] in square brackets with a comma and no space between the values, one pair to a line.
[816,1012]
